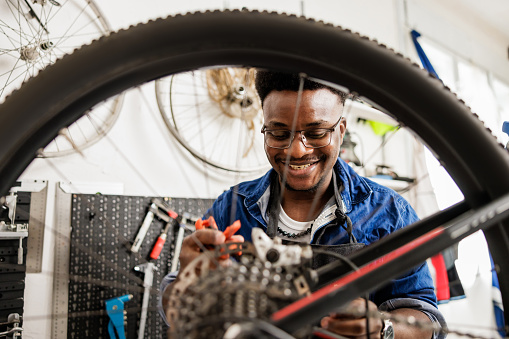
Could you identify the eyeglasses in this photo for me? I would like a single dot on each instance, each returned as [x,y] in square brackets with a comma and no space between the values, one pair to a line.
[311,138]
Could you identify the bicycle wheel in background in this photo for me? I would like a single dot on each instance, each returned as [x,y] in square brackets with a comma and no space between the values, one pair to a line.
[215,102]
[477,163]
[35,34]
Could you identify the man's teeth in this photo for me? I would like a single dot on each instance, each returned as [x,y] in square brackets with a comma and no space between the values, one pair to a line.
[299,167]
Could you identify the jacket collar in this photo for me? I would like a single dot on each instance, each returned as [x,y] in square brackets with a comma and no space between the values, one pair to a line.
[356,189]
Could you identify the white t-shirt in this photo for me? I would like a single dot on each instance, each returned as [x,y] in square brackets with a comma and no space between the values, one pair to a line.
[287,224]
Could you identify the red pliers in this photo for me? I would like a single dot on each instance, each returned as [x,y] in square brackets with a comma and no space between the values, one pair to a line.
[211,223]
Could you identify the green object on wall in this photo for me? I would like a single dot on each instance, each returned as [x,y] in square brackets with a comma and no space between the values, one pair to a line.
[381,128]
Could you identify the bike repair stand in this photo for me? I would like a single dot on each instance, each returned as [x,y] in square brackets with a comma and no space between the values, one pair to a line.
[116,312]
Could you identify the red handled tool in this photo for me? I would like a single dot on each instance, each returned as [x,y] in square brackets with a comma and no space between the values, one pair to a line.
[158,247]
[232,229]
[211,223]
[201,224]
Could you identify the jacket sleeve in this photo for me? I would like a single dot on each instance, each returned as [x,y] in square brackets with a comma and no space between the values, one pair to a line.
[219,210]
[417,282]
[431,312]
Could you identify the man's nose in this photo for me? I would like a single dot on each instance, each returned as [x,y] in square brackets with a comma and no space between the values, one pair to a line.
[297,148]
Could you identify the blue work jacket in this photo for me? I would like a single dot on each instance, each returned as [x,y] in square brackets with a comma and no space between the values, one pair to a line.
[375,211]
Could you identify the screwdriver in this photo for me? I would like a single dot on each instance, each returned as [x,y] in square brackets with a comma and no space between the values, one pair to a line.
[158,247]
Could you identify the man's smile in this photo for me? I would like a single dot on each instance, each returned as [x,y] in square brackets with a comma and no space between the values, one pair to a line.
[299,167]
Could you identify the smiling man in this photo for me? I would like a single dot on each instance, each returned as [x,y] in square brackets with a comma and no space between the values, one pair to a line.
[303,159]
[311,195]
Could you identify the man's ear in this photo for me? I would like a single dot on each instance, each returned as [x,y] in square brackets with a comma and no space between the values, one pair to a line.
[342,125]
[342,129]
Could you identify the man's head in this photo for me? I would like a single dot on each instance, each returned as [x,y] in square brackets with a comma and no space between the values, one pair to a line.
[307,169]
[268,81]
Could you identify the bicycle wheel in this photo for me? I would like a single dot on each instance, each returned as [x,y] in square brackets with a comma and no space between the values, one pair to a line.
[35,35]
[471,154]
[215,102]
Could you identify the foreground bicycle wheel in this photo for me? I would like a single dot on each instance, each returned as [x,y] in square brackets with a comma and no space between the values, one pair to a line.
[128,58]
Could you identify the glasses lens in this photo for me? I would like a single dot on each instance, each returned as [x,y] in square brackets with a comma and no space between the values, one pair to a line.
[278,138]
[315,138]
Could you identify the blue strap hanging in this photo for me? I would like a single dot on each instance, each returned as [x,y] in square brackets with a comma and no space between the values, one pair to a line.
[424,59]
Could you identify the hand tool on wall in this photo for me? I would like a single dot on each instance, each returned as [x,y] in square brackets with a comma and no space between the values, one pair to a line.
[116,312]
[13,229]
[170,224]
[144,228]
[186,218]
[157,209]
[148,269]
[13,329]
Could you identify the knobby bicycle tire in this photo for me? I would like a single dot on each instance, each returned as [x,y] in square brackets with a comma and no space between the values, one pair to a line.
[472,156]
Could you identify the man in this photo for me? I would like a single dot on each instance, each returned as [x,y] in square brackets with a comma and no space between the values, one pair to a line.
[311,195]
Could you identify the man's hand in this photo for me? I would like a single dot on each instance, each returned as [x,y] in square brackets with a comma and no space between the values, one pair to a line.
[191,248]
[193,244]
[352,322]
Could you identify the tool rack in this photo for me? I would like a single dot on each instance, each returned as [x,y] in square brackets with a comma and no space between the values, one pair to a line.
[103,227]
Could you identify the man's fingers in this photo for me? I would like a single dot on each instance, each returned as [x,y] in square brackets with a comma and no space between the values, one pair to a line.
[351,327]
[195,242]
[212,222]
[355,309]
[236,238]
[351,321]
[206,236]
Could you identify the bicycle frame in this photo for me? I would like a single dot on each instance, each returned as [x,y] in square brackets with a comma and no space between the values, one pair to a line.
[339,285]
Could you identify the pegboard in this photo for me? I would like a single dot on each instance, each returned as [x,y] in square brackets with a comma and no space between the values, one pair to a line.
[102,267]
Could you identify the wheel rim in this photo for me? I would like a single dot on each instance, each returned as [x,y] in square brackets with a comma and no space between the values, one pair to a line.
[217,113]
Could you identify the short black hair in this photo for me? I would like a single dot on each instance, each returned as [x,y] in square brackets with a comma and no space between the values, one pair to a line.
[268,81]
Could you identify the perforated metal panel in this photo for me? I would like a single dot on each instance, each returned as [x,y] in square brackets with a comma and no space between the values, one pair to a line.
[101,265]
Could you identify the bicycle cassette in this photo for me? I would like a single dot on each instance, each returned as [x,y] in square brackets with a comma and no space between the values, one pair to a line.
[205,302]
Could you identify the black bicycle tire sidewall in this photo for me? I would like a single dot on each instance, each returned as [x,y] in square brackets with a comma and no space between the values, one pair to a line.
[64,90]
[135,55]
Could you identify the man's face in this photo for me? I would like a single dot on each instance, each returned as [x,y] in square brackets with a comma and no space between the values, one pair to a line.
[307,169]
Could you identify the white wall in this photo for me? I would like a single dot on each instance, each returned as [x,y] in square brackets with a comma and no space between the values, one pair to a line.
[463,31]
